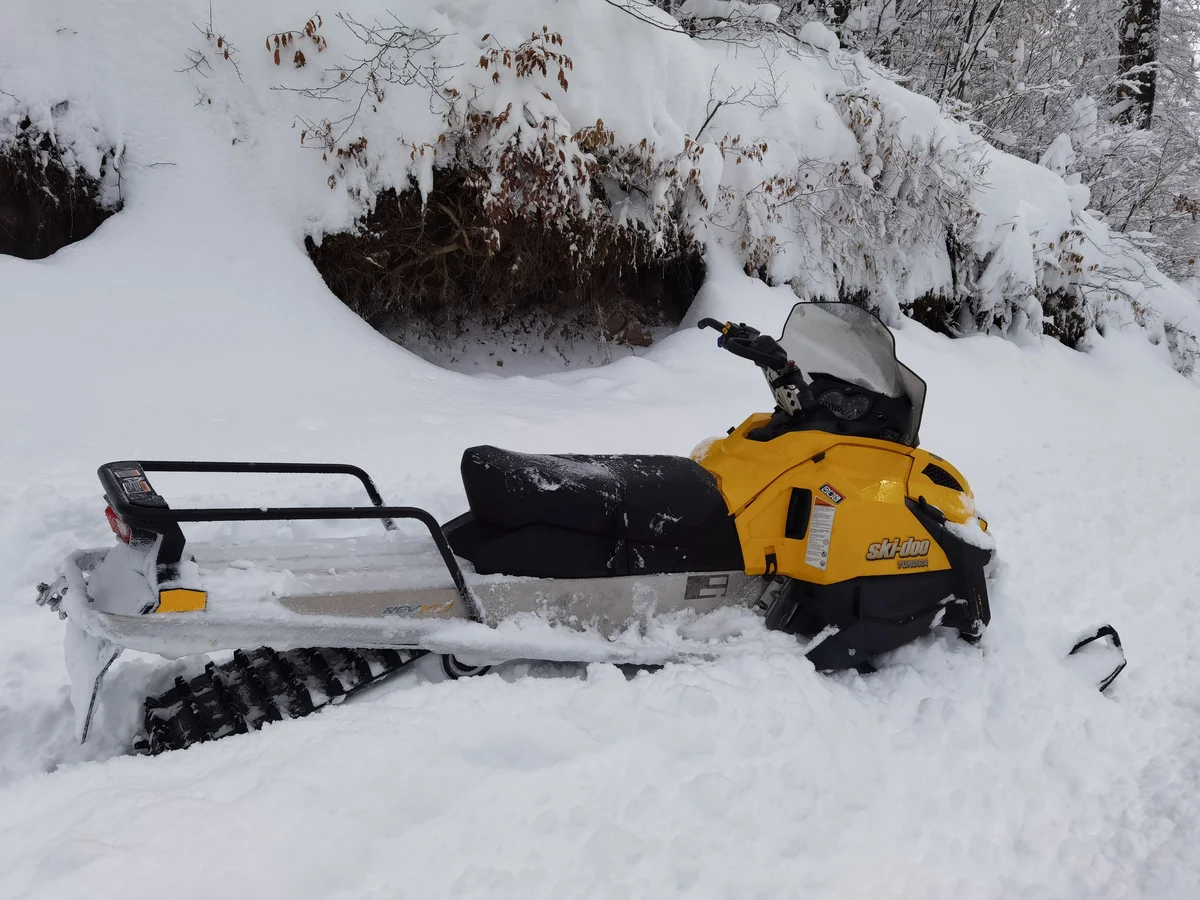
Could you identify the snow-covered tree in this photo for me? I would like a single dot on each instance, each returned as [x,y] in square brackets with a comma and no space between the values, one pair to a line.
[1137,61]
[1102,91]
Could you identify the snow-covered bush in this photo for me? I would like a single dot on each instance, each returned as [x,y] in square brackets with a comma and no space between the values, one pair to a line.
[1184,347]
[883,213]
[55,188]
[521,168]
[524,214]
[1025,75]
[438,261]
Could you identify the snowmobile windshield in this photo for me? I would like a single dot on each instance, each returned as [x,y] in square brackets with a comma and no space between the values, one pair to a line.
[847,342]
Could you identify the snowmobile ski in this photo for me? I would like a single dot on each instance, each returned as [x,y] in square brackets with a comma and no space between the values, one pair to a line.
[1101,655]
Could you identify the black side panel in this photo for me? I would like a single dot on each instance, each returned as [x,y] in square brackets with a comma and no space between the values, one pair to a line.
[467,534]
[873,615]
[879,613]
[973,612]
[546,551]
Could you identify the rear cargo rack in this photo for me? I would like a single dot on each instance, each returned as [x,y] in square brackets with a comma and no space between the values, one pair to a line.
[143,509]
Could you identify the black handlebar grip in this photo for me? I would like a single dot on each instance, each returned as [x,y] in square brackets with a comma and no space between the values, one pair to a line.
[711,323]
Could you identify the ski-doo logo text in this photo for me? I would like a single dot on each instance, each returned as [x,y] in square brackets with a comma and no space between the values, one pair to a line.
[895,548]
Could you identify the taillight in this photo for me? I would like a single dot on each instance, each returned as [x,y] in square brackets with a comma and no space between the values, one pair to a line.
[119,528]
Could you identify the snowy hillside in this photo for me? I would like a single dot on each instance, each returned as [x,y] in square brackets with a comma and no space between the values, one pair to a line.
[192,325]
[804,160]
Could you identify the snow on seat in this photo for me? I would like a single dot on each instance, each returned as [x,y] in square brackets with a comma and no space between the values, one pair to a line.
[656,499]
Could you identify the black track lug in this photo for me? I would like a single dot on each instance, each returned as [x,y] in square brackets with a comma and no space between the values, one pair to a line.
[250,690]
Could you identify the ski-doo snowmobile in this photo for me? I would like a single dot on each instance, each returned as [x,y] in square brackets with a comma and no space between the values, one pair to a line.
[823,516]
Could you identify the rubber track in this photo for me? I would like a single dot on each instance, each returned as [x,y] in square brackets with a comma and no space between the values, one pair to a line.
[262,686]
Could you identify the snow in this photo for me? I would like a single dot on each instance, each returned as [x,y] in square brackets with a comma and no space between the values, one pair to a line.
[818,35]
[1059,156]
[987,772]
[87,658]
[192,325]
[971,532]
[730,9]
[865,149]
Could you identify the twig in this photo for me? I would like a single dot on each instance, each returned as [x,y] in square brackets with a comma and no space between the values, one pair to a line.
[373,72]
[700,130]
[626,7]
[197,59]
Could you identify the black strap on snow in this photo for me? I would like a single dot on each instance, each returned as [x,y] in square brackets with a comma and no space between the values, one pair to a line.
[1104,631]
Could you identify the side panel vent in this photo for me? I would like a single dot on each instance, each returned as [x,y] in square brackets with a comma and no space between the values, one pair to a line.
[799,507]
[941,477]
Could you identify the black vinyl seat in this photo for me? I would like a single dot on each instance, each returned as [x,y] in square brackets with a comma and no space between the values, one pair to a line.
[591,516]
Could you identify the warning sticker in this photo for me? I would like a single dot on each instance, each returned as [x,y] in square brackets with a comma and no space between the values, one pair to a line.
[820,529]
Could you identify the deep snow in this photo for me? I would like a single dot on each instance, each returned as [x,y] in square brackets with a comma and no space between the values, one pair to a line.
[960,772]
[192,325]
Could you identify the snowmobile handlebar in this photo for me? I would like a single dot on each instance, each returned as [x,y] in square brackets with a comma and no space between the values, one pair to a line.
[749,343]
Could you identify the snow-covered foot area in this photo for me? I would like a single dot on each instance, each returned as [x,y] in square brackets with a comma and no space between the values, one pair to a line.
[192,325]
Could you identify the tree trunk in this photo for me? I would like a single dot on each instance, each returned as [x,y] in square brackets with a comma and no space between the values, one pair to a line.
[1137,48]
[838,11]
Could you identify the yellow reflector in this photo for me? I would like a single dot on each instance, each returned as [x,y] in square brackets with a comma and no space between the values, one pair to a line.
[983,524]
[181,600]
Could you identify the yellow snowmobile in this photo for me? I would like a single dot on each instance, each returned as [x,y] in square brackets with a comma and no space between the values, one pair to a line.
[876,538]
[823,516]
[870,539]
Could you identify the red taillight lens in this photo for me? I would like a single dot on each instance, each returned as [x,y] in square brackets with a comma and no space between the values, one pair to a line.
[119,528]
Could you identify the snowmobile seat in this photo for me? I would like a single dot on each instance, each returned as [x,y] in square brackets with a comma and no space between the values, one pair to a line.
[592,516]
